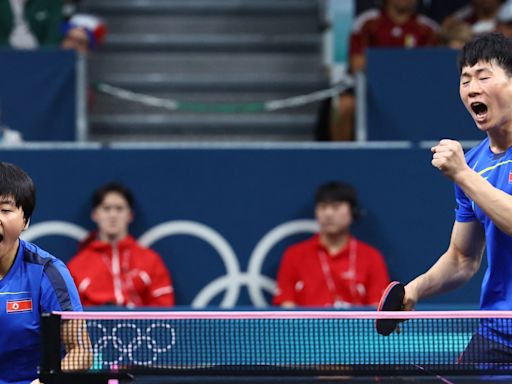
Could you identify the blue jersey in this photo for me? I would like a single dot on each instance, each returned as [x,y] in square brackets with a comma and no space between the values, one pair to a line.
[496,291]
[37,282]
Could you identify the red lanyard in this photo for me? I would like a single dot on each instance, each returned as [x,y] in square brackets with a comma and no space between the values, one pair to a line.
[349,274]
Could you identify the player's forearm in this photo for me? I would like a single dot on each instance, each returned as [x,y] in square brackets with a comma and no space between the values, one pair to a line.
[79,353]
[496,204]
[450,272]
[78,359]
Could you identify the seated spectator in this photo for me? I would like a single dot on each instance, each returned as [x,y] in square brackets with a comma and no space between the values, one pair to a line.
[455,34]
[83,33]
[395,24]
[111,268]
[504,19]
[332,268]
[480,14]
[26,24]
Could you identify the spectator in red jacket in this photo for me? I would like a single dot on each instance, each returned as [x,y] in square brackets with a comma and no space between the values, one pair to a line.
[395,25]
[111,268]
[332,268]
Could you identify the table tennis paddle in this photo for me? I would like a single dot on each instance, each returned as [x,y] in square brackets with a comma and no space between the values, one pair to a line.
[392,300]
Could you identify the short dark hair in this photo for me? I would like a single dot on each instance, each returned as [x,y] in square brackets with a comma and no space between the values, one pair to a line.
[99,195]
[337,191]
[16,183]
[487,47]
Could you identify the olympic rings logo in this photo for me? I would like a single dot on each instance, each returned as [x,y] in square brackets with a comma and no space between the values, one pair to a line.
[234,279]
[126,342]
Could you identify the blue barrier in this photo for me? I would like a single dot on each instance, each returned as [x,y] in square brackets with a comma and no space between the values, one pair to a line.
[221,216]
[413,94]
[38,93]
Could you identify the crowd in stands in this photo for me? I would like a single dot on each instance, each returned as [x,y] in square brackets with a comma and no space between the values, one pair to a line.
[410,24]
[26,24]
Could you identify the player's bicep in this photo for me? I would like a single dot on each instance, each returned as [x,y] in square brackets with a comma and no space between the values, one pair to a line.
[468,242]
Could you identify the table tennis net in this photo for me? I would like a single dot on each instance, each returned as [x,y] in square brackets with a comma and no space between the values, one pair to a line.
[288,343]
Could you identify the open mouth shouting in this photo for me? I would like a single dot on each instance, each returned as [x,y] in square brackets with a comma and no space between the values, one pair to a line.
[1,237]
[480,110]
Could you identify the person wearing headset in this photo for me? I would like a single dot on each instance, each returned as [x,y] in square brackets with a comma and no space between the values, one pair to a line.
[332,268]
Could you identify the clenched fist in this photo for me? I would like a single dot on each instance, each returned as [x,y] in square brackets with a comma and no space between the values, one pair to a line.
[448,157]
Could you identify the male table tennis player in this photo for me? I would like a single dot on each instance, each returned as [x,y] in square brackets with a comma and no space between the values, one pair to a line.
[483,188]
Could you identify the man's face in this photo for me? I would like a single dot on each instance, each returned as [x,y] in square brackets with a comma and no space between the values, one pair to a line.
[12,223]
[76,39]
[486,91]
[333,217]
[113,216]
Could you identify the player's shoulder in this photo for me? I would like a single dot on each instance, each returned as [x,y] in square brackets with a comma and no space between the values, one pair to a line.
[475,153]
[365,18]
[38,257]
[35,255]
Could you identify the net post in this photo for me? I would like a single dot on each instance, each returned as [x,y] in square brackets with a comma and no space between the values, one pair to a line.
[50,344]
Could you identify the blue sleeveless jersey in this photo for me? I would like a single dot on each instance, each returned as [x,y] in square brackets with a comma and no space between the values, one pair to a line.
[37,282]
[496,293]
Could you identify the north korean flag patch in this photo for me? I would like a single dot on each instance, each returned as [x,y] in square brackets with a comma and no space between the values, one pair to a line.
[14,306]
[510,177]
